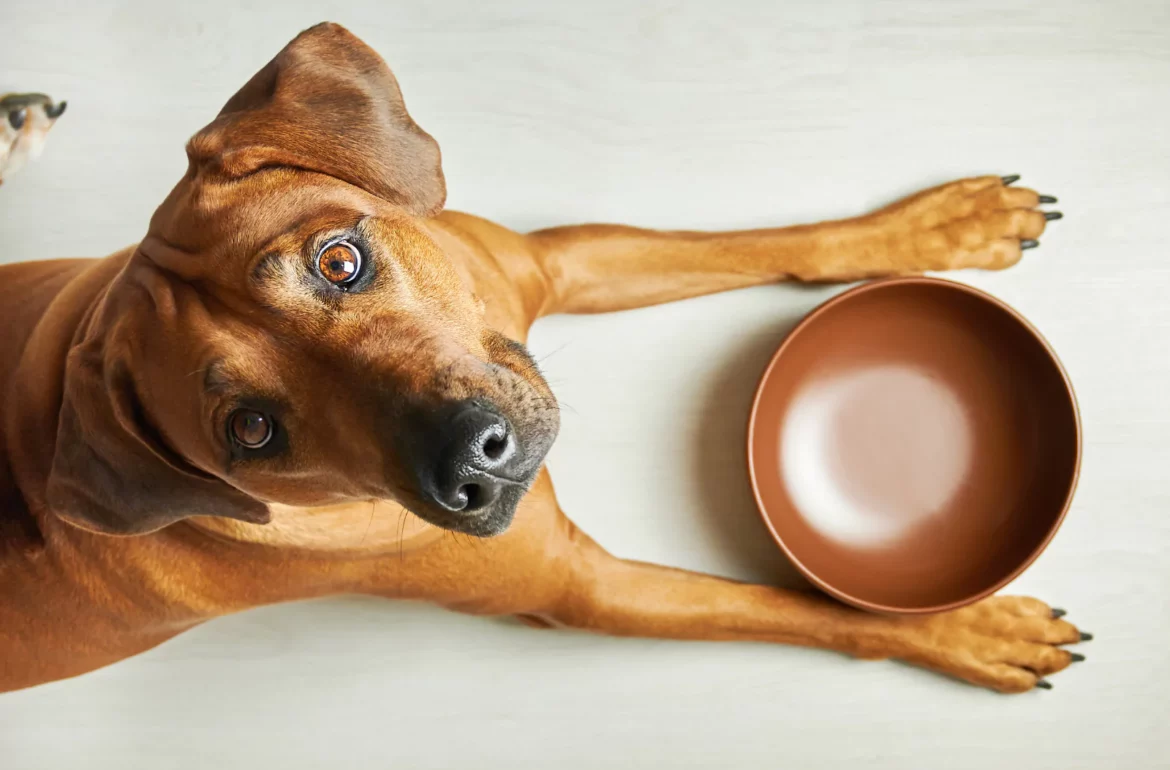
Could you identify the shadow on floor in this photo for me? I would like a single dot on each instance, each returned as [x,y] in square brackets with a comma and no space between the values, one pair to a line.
[732,521]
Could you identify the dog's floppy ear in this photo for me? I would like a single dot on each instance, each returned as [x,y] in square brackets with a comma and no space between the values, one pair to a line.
[113,472]
[327,103]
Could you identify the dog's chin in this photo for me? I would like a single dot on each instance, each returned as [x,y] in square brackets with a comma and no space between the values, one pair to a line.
[486,522]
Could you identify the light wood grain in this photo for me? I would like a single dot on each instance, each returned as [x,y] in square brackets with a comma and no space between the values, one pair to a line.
[699,115]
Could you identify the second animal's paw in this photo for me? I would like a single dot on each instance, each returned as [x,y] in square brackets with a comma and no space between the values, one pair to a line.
[25,121]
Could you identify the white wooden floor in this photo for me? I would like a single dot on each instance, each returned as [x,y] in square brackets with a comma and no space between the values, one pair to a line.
[670,114]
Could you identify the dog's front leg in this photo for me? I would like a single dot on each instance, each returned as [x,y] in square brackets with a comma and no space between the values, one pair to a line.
[981,222]
[1003,643]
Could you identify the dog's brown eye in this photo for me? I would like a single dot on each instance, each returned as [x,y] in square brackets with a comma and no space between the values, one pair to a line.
[16,118]
[250,429]
[339,263]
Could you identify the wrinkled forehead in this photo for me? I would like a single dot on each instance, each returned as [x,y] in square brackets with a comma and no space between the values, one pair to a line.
[209,228]
[247,246]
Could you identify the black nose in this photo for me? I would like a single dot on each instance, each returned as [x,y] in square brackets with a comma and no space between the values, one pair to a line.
[477,459]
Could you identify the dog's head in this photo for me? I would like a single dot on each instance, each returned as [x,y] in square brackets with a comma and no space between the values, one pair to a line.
[289,331]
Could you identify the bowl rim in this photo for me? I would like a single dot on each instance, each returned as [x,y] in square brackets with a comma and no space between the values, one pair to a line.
[846,296]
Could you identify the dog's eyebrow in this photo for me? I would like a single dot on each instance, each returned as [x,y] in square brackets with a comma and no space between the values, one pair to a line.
[215,379]
[266,267]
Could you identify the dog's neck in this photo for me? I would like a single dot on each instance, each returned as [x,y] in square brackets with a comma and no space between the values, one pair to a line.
[366,528]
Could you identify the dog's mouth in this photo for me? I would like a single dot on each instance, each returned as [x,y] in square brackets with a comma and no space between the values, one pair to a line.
[486,521]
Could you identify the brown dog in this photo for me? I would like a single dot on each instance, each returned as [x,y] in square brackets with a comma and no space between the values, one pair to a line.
[243,408]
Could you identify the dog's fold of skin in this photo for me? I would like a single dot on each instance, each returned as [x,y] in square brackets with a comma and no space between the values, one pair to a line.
[129,514]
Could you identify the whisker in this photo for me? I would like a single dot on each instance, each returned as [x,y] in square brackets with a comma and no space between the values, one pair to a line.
[547,356]
[373,505]
[401,528]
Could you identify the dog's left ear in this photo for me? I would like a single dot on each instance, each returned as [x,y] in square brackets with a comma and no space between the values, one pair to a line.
[327,103]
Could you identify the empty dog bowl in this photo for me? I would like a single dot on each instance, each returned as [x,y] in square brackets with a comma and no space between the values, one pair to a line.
[914,445]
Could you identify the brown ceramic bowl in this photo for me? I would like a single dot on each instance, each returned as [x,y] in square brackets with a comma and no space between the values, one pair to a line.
[913,445]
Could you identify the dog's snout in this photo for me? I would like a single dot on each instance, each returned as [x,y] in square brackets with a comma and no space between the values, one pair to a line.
[477,459]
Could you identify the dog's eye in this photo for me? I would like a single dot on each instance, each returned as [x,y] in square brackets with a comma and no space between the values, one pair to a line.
[340,263]
[16,118]
[249,428]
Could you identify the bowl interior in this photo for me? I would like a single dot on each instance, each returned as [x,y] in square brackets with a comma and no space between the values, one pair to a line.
[914,445]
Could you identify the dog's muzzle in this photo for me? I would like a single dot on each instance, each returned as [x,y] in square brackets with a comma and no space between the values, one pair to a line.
[471,467]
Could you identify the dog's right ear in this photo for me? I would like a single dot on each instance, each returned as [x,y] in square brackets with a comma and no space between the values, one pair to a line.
[113,471]
[327,103]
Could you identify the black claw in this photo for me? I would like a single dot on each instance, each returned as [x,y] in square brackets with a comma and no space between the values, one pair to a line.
[1051,215]
[1048,199]
[1076,657]
[1029,244]
[1010,178]
[1086,636]
[1044,684]
[1058,612]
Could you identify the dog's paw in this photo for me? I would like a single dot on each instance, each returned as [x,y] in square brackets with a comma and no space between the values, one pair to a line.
[1006,643]
[982,222]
